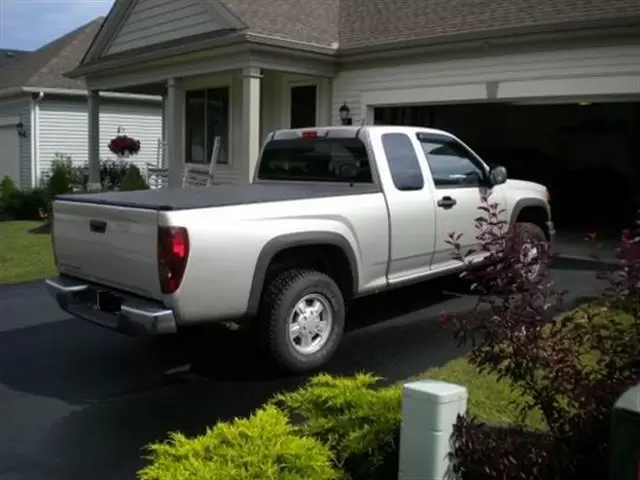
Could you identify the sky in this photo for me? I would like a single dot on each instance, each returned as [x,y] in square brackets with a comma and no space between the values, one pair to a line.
[29,24]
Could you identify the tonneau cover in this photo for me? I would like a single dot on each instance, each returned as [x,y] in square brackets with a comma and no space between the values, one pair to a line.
[218,195]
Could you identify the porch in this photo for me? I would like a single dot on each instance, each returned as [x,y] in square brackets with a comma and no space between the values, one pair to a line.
[241,106]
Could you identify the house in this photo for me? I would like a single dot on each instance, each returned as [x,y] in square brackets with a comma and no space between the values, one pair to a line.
[241,68]
[42,112]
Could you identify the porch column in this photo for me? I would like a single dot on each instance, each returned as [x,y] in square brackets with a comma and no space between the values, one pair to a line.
[174,132]
[94,184]
[251,79]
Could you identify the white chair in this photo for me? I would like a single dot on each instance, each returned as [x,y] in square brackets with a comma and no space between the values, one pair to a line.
[199,175]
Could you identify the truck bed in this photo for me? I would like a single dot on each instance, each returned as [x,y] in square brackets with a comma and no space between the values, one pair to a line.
[218,195]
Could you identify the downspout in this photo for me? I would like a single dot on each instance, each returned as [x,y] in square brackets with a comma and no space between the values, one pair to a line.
[36,98]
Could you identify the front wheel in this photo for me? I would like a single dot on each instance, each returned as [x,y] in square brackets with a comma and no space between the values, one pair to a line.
[534,251]
[301,319]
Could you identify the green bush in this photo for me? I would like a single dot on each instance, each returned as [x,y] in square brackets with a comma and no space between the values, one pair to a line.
[133,179]
[357,421]
[62,177]
[27,205]
[8,192]
[262,447]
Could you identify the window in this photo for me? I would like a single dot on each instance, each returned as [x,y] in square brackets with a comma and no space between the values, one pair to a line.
[403,161]
[316,159]
[451,164]
[207,117]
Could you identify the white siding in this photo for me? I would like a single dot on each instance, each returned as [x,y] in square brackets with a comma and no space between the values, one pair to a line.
[156,21]
[604,70]
[20,108]
[63,128]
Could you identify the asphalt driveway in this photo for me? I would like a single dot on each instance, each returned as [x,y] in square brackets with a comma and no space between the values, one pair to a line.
[79,402]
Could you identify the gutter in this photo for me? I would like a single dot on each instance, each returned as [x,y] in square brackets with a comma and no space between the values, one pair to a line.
[10,92]
[147,54]
[35,114]
[335,52]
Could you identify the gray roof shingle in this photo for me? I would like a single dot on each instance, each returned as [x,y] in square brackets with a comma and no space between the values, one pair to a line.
[308,21]
[359,23]
[45,67]
[370,22]
[9,56]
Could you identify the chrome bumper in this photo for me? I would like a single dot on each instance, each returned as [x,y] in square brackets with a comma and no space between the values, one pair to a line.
[133,316]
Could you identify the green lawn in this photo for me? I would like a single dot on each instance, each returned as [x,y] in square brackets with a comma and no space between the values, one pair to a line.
[24,255]
[490,400]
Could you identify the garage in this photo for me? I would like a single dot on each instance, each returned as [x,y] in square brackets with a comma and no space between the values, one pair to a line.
[586,152]
[9,159]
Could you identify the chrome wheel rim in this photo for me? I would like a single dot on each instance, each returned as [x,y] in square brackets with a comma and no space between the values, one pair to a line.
[310,323]
[530,259]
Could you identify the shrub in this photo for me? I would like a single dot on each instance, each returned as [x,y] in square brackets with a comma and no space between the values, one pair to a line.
[62,175]
[359,423]
[263,446]
[572,368]
[27,205]
[8,192]
[133,179]
[112,173]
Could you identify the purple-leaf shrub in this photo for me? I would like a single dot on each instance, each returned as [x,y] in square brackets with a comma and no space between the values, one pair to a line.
[571,367]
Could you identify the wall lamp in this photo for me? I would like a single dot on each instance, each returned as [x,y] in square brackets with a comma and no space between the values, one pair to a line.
[21,130]
[345,114]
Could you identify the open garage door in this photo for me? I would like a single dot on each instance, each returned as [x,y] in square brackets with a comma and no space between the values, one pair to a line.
[587,154]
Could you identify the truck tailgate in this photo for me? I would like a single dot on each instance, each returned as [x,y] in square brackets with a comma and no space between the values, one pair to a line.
[112,246]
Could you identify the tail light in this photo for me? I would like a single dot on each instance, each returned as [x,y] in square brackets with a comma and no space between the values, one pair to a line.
[173,252]
[310,134]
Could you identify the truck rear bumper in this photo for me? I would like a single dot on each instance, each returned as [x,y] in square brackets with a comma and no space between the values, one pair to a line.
[110,308]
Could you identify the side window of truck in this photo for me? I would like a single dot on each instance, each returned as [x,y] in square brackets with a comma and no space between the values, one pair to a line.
[451,164]
[403,161]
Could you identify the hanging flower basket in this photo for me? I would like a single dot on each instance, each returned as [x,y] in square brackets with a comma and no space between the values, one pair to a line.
[124,146]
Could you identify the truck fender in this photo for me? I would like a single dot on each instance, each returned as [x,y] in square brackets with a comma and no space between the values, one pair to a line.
[278,244]
[525,203]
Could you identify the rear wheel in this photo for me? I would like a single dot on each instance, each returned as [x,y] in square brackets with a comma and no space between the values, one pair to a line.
[301,319]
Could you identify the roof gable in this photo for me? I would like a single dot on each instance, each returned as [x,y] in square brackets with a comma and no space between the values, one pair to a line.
[135,24]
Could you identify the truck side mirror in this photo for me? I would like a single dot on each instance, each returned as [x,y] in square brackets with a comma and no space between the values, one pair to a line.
[498,175]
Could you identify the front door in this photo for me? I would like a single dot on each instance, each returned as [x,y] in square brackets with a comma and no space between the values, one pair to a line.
[460,181]
[303,106]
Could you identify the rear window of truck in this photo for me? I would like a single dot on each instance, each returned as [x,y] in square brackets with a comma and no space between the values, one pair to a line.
[316,159]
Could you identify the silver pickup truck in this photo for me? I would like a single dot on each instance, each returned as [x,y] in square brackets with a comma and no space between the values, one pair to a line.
[334,214]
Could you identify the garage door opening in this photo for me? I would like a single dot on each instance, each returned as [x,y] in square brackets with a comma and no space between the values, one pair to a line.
[588,155]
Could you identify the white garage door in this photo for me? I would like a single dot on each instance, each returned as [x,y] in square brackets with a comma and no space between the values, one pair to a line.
[9,153]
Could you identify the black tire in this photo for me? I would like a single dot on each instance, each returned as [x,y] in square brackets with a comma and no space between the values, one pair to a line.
[531,231]
[280,297]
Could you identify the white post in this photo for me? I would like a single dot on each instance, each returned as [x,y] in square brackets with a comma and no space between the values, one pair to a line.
[93,110]
[251,79]
[429,411]
[173,110]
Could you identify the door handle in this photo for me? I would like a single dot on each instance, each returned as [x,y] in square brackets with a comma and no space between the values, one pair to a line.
[98,226]
[447,202]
